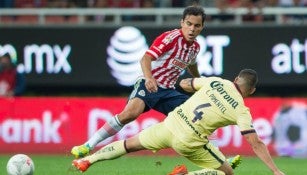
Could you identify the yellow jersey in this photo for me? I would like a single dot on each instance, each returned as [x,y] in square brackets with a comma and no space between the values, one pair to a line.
[216,103]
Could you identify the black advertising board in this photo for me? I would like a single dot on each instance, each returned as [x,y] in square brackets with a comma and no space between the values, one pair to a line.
[109,57]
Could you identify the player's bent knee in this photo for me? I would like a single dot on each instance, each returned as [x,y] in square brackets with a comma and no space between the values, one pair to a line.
[127,117]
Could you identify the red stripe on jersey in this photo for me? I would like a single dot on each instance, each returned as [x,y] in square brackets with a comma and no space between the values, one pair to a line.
[174,78]
[173,54]
[165,65]
[185,54]
[152,54]
[162,73]
[166,80]
[164,42]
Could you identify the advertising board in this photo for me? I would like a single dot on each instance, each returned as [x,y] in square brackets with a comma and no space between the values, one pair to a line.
[56,124]
[109,57]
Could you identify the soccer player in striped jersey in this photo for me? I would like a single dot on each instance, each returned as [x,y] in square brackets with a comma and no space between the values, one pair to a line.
[169,55]
[216,103]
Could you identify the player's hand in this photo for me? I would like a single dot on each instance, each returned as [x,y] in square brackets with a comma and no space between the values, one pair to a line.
[151,85]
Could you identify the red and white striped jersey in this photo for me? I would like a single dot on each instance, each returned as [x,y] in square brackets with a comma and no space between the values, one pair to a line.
[172,55]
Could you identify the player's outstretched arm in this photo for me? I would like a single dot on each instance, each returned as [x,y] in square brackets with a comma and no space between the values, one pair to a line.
[186,85]
[262,152]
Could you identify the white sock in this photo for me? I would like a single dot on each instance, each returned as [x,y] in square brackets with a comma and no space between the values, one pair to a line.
[110,128]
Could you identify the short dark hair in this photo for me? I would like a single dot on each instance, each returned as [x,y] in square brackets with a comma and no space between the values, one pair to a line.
[6,55]
[196,11]
[250,76]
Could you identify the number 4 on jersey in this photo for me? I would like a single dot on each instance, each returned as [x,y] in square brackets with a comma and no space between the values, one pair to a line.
[198,114]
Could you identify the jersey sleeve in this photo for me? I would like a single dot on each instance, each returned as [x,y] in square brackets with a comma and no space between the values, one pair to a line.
[161,44]
[197,83]
[244,122]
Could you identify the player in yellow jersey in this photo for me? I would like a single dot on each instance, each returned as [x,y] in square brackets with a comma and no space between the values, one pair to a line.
[216,103]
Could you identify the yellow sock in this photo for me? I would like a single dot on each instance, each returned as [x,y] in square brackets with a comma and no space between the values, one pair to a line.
[108,152]
[207,171]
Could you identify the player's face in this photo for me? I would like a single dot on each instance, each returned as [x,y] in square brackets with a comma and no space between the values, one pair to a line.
[191,27]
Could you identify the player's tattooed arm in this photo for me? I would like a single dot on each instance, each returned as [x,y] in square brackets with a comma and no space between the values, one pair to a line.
[186,84]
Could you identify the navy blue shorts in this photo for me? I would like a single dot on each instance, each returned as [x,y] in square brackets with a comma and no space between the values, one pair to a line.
[164,100]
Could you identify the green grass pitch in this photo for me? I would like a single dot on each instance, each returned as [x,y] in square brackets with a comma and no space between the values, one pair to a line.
[149,165]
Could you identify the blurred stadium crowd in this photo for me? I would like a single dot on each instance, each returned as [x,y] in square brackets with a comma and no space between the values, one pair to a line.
[222,5]
[148,3]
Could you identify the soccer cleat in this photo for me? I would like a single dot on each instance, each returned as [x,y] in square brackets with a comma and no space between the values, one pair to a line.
[80,151]
[179,170]
[81,165]
[234,161]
